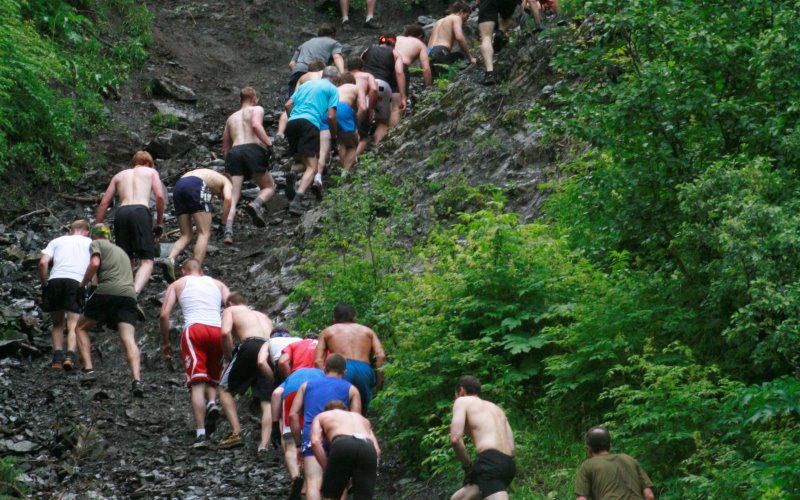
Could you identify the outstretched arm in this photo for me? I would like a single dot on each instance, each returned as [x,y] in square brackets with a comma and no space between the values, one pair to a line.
[462,41]
[457,433]
[288,106]
[355,400]
[91,270]
[316,442]
[227,199]
[227,143]
[166,310]
[427,74]
[400,75]
[111,190]
[380,359]
[158,189]
[227,329]
[294,416]
[338,61]
[257,122]
[319,352]
[263,361]
[44,267]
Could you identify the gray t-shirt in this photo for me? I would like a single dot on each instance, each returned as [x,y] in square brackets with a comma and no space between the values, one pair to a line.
[321,47]
[115,276]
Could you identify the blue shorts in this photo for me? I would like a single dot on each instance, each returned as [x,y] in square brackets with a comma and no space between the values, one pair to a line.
[308,450]
[191,195]
[362,376]
[345,117]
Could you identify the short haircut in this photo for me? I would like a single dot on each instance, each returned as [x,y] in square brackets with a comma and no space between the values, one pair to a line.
[192,265]
[598,439]
[347,77]
[279,331]
[335,364]
[312,336]
[344,313]
[414,30]
[326,29]
[470,384]
[80,225]
[331,73]
[354,62]
[247,94]
[236,299]
[316,65]
[335,404]
[142,158]
[459,7]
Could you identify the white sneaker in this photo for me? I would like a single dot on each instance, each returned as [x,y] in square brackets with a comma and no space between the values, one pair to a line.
[318,180]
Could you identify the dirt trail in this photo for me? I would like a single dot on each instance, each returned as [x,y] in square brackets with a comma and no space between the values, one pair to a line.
[73,442]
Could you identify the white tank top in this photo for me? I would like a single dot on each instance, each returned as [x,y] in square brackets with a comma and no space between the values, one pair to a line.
[201,302]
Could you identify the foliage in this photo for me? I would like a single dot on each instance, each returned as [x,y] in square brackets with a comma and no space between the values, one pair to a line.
[159,121]
[57,62]
[10,484]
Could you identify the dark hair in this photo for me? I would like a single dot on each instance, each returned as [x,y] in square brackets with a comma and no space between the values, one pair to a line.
[326,29]
[312,336]
[236,299]
[335,404]
[470,384]
[347,78]
[192,265]
[335,364]
[414,30]
[316,65]
[354,62]
[279,331]
[598,439]
[459,7]
[344,313]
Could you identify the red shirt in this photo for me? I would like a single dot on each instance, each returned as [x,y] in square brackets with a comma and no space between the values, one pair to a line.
[301,354]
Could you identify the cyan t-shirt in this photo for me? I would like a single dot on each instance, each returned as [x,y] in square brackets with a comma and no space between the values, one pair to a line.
[313,99]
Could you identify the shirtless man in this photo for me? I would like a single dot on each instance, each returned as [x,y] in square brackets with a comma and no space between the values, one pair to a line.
[367,83]
[490,14]
[357,343]
[386,65]
[192,199]
[487,425]
[201,299]
[133,231]
[354,451]
[248,366]
[309,402]
[446,32]
[351,109]
[247,150]
[411,47]
[535,8]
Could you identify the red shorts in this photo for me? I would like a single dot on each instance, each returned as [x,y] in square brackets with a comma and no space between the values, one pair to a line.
[201,347]
[287,405]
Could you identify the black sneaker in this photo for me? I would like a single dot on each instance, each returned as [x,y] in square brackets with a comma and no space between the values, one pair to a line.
[58,360]
[256,212]
[489,78]
[499,40]
[296,206]
[291,178]
[137,388]
[212,416]
[69,360]
[345,26]
[87,377]
[200,441]
[373,24]
[275,436]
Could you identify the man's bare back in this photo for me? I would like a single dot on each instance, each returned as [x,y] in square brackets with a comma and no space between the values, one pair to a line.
[341,422]
[410,49]
[216,182]
[249,323]
[351,340]
[349,93]
[487,425]
[311,75]
[443,33]
[134,185]
[239,127]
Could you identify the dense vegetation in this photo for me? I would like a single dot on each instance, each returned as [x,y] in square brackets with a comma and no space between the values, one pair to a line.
[58,61]
[659,296]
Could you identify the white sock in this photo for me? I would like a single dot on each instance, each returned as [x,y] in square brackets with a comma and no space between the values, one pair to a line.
[257,202]
[345,19]
[369,18]
[318,178]
[200,432]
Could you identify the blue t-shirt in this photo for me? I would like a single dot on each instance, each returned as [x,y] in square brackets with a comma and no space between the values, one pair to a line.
[318,393]
[313,99]
[298,378]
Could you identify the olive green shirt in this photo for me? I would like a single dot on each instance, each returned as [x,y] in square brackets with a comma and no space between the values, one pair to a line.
[115,276]
[612,476]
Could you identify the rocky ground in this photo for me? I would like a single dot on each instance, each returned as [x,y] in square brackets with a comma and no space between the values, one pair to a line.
[73,442]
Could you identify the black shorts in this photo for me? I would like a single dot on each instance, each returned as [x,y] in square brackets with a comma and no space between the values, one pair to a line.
[350,457]
[191,195]
[133,231]
[441,56]
[492,471]
[303,138]
[61,294]
[293,83]
[111,309]
[490,9]
[364,127]
[247,159]
[243,372]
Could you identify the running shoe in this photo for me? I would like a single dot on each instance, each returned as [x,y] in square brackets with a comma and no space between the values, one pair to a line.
[291,178]
[296,206]
[168,268]
[137,388]
[200,441]
[228,239]
[345,25]
[262,453]
[212,416]
[256,212]
[489,78]
[87,377]
[58,360]
[373,24]
[232,441]
[69,360]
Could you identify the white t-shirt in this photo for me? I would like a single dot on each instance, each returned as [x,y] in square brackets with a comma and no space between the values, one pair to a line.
[70,256]
[277,344]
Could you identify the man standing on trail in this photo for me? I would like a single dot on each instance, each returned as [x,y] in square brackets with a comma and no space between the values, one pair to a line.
[357,344]
[492,14]
[411,46]
[367,84]
[446,32]
[201,299]
[133,230]
[494,468]
[192,199]
[310,401]
[112,303]
[386,65]
[61,295]
[610,475]
[248,366]
[351,109]
[247,150]
[354,451]
[308,105]
[369,22]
